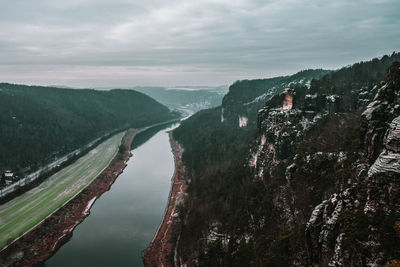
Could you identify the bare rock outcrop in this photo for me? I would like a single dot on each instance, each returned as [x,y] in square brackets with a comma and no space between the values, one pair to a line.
[353,228]
[380,112]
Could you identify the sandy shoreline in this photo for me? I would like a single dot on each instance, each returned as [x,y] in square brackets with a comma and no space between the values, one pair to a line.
[161,251]
[44,240]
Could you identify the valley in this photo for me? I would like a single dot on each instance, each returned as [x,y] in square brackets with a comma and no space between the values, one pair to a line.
[296,184]
[200,133]
[287,175]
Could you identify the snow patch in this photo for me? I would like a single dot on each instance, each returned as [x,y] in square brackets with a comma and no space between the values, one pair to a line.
[243,121]
[314,96]
[89,206]
[341,157]
[332,98]
[305,123]
[261,97]
[337,257]
[318,210]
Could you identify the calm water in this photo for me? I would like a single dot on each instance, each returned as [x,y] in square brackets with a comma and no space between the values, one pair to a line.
[123,220]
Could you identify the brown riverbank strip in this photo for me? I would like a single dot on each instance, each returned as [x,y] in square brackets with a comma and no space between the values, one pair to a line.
[161,251]
[45,239]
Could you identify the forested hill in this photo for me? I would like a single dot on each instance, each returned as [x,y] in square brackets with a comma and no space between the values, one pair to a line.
[246,97]
[297,188]
[39,124]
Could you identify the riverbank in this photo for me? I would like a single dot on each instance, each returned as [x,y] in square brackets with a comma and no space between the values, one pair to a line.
[161,251]
[43,241]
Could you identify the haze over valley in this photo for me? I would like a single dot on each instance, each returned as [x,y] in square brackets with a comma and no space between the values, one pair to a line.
[207,133]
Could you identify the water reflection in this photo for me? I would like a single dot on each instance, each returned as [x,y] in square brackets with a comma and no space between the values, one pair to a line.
[123,221]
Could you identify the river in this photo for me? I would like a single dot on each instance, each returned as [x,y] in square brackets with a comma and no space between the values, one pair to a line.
[123,221]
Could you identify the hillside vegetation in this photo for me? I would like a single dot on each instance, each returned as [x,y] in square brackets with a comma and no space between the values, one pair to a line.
[39,124]
[256,191]
[246,97]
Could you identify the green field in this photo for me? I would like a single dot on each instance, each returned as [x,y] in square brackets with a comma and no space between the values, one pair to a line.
[26,211]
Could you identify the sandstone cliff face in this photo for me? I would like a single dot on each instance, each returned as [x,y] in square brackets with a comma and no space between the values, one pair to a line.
[372,204]
[318,183]
[380,112]
[246,97]
[384,175]
[348,227]
[374,199]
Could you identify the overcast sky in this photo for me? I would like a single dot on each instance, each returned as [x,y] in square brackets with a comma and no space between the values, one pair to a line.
[122,43]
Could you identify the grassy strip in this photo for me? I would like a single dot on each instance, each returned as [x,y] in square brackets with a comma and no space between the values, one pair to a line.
[26,211]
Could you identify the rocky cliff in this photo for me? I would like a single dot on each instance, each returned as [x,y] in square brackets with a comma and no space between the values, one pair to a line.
[358,188]
[246,97]
[318,183]
[356,226]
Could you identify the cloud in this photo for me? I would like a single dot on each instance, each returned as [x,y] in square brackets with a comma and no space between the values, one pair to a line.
[217,40]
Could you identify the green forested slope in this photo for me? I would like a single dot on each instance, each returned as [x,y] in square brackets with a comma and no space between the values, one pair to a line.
[40,123]
[223,195]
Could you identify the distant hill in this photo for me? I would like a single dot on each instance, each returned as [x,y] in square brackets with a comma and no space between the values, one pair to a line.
[187,99]
[39,124]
